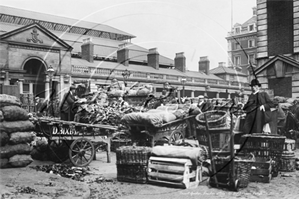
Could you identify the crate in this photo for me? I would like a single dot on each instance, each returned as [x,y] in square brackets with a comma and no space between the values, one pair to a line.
[178,172]
[261,170]
[132,173]
[265,146]
[242,166]
[219,140]
[133,155]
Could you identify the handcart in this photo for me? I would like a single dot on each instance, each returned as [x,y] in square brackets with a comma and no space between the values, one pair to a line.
[80,140]
[148,135]
[222,160]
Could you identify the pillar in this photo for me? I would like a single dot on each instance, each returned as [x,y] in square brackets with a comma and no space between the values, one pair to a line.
[218,95]
[229,96]
[193,94]
[47,88]
[21,85]
[30,88]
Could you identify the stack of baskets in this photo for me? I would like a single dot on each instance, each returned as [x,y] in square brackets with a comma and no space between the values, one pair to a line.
[216,120]
[132,163]
[267,149]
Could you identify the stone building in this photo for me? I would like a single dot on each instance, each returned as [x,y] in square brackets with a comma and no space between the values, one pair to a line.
[278,46]
[81,51]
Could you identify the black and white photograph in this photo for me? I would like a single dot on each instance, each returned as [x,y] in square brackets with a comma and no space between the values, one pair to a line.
[134,99]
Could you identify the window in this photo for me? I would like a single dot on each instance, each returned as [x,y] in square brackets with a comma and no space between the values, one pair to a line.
[237,30]
[251,58]
[237,60]
[251,27]
[25,88]
[237,46]
[251,43]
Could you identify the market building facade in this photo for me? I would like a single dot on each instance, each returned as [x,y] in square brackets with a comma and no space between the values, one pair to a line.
[33,44]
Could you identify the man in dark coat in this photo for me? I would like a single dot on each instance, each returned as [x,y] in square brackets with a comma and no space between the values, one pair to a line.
[257,109]
[66,109]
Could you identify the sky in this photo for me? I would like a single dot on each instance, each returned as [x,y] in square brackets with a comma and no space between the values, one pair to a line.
[196,27]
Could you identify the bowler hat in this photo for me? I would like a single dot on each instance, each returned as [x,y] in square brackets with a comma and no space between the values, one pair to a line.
[255,82]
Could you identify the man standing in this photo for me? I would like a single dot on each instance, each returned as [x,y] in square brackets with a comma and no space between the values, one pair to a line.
[67,105]
[257,109]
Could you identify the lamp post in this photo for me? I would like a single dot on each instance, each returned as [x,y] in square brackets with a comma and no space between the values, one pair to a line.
[50,72]
[183,81]
[126,75]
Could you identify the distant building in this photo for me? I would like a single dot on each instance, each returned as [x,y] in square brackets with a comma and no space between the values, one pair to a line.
[243,36]
[278,46]
[87,52]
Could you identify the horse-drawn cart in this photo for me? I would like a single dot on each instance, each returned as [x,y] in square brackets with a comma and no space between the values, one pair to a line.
[80,139]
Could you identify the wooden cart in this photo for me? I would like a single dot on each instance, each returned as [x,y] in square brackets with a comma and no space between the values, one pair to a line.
[80,139]
[148,135]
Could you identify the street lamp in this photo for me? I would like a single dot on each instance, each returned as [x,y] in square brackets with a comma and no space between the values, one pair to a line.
[50,72]
[183,81]
[126,75]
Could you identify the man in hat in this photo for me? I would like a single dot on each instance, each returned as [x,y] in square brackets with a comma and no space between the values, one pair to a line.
[66,108]
[257,109]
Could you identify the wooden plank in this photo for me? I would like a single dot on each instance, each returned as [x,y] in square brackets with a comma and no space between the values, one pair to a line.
[167,168]
[163,176]
[172,160]
[165,182]
[260,178]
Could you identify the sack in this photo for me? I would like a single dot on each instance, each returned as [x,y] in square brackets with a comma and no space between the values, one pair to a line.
[21,137]
[16,126]
[168,117]
[3,138]
[180,113]
[1,116]
[143,92]
[9,100]
[10,150]
[20,160]
[14,113]
[154,119]
[4,163]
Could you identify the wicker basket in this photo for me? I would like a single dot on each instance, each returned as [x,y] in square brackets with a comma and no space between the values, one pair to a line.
[242,165]
[265,146]
[130,155]
[215,119]
[132,173]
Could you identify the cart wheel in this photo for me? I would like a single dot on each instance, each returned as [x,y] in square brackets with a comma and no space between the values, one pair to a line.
[236,185]
[175,136]
[81,152]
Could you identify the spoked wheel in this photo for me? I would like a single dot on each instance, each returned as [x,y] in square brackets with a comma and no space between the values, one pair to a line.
[175,136]
[81,152]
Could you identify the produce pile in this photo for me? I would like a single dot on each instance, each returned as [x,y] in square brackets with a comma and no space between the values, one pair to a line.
[99,114]
[16,132]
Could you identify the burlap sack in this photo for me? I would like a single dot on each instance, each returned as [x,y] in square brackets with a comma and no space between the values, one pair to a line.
[16,126]
[14,113]
[1,116]
[20,160]
[21,137]
[9,100]
[3,138]
[4,163]
[8,151]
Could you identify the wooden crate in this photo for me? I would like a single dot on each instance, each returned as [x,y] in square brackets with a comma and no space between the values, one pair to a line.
[174,171]
[133,155]
[261,170]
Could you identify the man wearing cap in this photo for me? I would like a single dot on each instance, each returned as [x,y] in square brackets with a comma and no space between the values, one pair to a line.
[66,108]
[257,109]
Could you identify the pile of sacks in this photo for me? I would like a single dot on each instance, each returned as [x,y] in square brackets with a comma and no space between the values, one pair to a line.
[16,133]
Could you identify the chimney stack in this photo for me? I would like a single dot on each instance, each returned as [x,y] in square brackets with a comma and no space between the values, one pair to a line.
[254,11]
[222,64]
[87,50]
[179,62]
[123,55]
[204,65]
[153,58]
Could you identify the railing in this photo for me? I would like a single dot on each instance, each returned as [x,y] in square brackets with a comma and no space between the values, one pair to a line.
[211,81]
[172,77]
[199,80]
